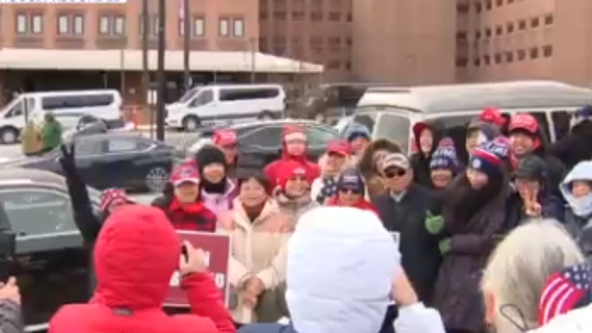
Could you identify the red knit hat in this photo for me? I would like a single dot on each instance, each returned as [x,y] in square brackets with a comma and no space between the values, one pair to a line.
[290,170]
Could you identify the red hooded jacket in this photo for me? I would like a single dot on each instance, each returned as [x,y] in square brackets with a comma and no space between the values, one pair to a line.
[273,170]
[135,255]
[362,204]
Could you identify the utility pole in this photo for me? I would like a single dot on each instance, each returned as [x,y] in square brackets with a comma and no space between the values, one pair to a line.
[161,75]
[253,43]
[145,65]
[186,14]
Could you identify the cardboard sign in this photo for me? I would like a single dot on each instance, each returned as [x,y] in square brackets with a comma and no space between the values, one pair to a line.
[217,248]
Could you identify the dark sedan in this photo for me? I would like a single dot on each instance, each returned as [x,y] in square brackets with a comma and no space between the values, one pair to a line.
[51,264]
[259,143]
[122,160]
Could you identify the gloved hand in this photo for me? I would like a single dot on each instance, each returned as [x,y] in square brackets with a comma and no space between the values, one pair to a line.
[434,223]
[445,246]
[67,160]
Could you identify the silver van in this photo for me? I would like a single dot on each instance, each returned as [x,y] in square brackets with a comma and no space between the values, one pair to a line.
[391,112]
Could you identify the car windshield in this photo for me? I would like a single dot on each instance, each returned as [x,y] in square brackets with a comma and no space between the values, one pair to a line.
[188,96]
[393,124]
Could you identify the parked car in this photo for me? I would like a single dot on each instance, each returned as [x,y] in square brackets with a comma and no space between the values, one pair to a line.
[88,124]
[259,143]
[51,265]
[122,160]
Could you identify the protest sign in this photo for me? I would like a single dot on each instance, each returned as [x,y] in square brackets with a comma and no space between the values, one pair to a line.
[217,249]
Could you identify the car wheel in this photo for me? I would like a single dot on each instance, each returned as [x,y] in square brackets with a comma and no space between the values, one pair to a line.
[8,135]
[191,123]
[156,179]
[266,115]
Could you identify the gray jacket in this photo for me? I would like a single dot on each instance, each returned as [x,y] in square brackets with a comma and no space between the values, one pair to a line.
[10,317]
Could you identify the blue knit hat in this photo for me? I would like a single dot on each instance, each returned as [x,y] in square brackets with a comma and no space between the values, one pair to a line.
[445,157]
[357,131]
[488,158]
[351,179]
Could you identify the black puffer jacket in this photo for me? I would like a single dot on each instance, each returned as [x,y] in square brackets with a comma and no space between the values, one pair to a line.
[575,147]
[420,162]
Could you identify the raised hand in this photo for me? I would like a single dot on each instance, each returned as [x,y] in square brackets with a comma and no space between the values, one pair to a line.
[67,158]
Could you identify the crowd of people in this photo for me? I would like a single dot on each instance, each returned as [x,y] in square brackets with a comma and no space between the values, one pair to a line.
[491,235]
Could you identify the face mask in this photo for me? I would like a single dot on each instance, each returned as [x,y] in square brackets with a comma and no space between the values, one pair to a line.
[581,206]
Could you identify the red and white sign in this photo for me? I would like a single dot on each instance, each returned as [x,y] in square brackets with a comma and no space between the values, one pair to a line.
[217,248]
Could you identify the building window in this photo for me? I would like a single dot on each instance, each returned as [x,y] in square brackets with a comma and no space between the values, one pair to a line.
[499,3]
[488,4]
[498,58]
[487,33]
[477,35]
[478,7]
[335,17]
[112,25]
[263,16]
[238,27]
[499,30]
[63,24]
[486,60]
[547,51]
[522,25]
[224,27]
[510,28]
[21,24]
[199,27]
[549,19]
[78,26]
[36,24]
[104,25]
[535,22]
[509,57]
[141,24]
[521,55]
[461,37]
[280,16]
[534,53]
[118,25]
[477,62]
[316,16]
[156,26]
[298,16]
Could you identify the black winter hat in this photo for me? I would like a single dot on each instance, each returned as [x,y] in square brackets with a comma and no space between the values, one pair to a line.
[209,155]
[531,167]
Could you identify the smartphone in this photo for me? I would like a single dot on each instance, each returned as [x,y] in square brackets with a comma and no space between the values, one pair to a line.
[7,255]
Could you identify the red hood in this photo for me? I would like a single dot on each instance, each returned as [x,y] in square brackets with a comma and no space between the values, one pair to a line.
[362,204]
[135,256]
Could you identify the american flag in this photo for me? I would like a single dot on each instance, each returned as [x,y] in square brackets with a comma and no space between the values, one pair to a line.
[564,291]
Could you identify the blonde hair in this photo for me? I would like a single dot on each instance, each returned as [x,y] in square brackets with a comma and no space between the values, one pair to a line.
[520,266]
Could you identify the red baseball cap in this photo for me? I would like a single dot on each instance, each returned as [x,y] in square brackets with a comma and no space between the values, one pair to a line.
[339,146]
[224,138]
[185,173]
[525,122]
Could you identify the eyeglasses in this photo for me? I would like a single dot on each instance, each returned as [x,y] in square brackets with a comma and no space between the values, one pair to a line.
[348,190]
[395,173]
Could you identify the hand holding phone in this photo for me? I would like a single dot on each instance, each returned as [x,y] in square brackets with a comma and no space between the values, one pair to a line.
[192,260]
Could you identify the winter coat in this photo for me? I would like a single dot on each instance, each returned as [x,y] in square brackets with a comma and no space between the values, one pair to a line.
[51,134]
[420,162]
[420,254]
[551,207]
[472,238]
[294,208]
[578,218]
[412,319]
[258,250]
[11,320]
[30,140]
[135,256]
[194,217]
[220,203]
[575,147]
[362,204]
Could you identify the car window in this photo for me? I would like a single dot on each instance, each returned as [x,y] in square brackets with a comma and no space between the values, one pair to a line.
[122,145]
[562,123]
[205,97]
[37,211]
[319,137]
[16,110]
[541,118]
[89,147]
[395,128]
[268,137]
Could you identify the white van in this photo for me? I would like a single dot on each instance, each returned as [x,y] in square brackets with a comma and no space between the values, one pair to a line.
[226,104]
[391,112]
[103,104]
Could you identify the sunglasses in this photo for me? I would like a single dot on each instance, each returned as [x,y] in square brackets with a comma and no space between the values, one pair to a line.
[231,146]
[347,190]
[395,173]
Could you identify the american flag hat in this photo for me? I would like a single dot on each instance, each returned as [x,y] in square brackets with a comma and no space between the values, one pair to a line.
[564,291]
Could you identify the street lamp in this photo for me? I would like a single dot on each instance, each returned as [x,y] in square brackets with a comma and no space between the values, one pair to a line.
[161,75]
